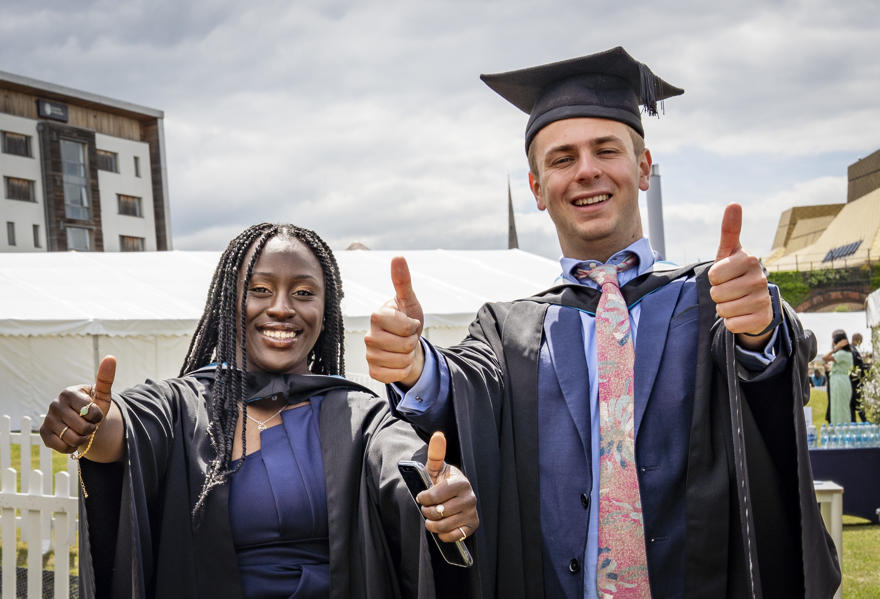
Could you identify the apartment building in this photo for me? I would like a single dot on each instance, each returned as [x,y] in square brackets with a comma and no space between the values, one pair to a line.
[79,171]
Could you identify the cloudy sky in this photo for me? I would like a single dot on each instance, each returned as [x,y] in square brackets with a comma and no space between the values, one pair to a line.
[367,120]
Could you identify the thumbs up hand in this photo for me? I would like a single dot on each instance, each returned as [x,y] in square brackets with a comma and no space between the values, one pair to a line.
[74,416]
[394,351]
[450,506]
[739,286]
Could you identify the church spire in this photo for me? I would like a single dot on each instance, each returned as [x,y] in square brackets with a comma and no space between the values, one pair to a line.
[512,242]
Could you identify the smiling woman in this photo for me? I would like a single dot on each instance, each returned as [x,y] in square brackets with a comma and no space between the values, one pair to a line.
[285,307]
[254,473]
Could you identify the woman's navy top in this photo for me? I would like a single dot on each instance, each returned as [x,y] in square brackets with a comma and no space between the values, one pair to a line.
[278,511]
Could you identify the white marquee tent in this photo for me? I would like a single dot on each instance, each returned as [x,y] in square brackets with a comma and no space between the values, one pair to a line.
[61,312]
[873,309]
[824,323]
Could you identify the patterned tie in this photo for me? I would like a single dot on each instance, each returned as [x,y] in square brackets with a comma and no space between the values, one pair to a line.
[622,568]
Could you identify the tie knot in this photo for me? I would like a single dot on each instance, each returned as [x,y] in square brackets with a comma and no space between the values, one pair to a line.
[604,273]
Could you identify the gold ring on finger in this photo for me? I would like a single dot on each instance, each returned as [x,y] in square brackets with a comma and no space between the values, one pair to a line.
[440,509]
[83,411]
[463,534]
[61,434]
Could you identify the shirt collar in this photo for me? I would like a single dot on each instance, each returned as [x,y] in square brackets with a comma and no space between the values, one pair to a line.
[641,248]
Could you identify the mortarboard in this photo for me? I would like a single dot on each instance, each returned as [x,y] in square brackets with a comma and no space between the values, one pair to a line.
[608,85]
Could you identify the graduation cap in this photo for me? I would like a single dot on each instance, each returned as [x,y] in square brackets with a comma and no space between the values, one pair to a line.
[608,85]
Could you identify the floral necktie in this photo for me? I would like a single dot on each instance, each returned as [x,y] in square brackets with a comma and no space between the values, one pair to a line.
[622,568]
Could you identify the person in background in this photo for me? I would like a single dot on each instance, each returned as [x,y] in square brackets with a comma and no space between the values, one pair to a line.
[817,375]
[259,472]
[840,359]
[855,376]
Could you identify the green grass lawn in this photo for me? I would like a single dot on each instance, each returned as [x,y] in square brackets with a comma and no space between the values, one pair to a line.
[861,539]
[861,558]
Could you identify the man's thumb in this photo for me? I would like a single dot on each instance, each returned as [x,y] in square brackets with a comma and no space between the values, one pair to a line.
[406,298]
[731,226]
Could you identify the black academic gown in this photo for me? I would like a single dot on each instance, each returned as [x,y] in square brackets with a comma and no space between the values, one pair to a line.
[751,512]
[138,538]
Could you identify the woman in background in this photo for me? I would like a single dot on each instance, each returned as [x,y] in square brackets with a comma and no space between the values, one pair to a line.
[839,387]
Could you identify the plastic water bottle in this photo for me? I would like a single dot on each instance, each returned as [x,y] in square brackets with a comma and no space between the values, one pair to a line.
[863,431]
[811,436]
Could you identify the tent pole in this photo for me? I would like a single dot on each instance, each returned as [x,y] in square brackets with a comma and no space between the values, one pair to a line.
[96,356]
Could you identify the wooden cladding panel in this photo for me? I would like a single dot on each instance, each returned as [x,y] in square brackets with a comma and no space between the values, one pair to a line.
[103,122]
[25,105]
[18,104]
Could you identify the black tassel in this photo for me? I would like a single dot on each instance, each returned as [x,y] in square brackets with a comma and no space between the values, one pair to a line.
[650,90]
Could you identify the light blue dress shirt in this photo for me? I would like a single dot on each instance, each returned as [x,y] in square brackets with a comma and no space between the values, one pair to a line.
[427,400]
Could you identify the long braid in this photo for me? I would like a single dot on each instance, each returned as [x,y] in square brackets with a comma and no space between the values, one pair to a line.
[220,337]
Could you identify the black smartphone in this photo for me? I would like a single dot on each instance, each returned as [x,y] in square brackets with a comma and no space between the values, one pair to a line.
[417,480]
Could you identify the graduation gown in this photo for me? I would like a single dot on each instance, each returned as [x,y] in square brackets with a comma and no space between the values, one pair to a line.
[751,525]
[138,538]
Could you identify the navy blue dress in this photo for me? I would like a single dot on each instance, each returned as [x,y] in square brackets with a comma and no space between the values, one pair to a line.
[278,511]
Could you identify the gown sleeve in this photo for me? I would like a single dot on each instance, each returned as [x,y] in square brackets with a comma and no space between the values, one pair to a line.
[385,551]
[126,513]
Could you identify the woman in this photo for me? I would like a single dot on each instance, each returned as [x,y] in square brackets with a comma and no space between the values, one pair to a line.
[839,388]
[254,474]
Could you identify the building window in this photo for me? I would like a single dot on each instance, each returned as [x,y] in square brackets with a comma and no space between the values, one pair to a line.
[37,243]
[19,189]
[16,143]
[137,166]
[108,161]
[129,205]
[78,239]
[10,232]
[131,244]
[75,177]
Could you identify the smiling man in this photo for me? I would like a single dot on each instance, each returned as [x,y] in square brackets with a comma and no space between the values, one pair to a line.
[636,431]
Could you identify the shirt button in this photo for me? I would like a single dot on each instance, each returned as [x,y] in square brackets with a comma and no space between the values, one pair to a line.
[643,469]
[585,501]
[419,398]
[574,566]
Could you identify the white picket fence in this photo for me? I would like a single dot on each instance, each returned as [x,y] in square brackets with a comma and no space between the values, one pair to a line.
[46,514]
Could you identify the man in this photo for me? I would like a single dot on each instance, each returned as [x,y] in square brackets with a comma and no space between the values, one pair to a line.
[855,377]
[645,441]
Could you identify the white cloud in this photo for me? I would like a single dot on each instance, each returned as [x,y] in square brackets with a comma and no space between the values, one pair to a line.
[693,228]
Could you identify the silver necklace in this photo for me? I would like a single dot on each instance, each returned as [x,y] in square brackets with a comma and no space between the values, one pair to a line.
[261,424]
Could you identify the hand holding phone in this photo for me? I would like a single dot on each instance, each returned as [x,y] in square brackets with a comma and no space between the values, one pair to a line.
[446,500]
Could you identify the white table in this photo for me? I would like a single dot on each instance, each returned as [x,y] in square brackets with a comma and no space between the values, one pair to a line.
[830,498]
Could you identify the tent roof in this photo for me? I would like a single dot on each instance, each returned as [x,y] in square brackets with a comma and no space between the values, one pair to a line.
[824,323]
[163,293]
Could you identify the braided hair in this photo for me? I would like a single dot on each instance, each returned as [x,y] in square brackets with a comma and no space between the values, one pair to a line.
[220,338]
